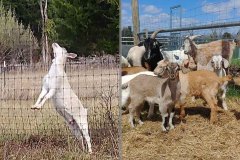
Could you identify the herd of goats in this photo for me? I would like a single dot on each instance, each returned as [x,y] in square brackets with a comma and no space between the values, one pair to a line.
[168,78]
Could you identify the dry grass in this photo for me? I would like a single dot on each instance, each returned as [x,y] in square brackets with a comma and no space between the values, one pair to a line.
[29,134]
[195,139]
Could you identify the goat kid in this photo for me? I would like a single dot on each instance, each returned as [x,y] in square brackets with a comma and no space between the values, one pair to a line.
[66,102]
[162,91]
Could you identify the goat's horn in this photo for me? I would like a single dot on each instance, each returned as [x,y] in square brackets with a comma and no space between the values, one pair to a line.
[193,37]
[155,33]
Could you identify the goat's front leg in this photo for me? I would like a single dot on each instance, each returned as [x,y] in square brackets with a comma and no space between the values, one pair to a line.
[164,114]
[181,104]
[224,104]
[212,102]
[40,98]
[47,96]
[172,112]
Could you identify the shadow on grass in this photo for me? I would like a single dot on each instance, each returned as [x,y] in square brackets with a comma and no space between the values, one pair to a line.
[236,113]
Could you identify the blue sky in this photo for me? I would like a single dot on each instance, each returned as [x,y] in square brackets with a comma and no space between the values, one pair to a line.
[156,13]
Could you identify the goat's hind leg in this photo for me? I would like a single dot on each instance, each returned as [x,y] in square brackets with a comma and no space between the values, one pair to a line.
[138,115]
[83,125]
[40,98]
[212,102]
[151,110]
[73,121]
[222,98]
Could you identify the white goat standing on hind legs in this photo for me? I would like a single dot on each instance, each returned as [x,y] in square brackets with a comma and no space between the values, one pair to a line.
[66,102]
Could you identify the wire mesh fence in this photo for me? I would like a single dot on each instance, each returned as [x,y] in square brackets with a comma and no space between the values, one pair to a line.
[93,80]
[223,11]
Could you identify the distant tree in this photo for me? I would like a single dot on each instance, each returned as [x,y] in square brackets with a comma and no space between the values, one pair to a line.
[127,32]
[227,35]
[76,24]
[216,33]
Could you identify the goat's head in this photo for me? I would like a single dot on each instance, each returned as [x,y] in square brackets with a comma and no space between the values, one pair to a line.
[188,44]
[166,69]
[218,62]
[61,54]
[152,46]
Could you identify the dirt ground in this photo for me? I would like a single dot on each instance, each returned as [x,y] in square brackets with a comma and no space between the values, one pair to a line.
[194,139]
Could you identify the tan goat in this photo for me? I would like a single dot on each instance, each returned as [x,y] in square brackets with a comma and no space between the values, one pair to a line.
[202,53]
[203,84]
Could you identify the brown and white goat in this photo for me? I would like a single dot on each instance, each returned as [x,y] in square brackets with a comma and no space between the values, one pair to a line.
[204,84]
[202,53]
[161,90]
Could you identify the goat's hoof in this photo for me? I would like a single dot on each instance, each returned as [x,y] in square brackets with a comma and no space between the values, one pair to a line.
[140,123]
[225,107]
[164,129]
[183,121]
[132,125]
[90,152]
[213,121]
[35,107]
[171,127]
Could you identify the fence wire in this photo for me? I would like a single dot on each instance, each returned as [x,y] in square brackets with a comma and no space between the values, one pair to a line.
[222,11]
[95,82]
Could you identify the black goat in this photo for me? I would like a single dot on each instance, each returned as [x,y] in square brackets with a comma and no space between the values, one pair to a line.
[152,53]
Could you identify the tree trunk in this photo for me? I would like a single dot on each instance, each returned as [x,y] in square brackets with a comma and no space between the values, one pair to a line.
[43,8]
[135,19]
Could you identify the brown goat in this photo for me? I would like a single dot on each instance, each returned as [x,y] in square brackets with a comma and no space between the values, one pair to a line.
[202,53]
[204,84]
[132,70]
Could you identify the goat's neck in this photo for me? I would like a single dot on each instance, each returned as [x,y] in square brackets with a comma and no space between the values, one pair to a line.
[58,66]
[174,86]
[193,50]
[220,72]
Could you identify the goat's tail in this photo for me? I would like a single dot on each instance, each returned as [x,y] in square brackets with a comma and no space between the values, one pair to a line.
[125,95]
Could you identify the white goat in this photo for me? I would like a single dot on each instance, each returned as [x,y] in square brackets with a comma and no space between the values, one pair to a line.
[66,102]
[135,55]
[175,56]
[218,64]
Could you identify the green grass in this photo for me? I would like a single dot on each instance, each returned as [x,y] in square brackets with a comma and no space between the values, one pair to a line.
[235,62]
[233,91]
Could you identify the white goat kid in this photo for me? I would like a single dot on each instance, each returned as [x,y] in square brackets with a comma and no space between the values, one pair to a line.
[66,102]
[218,64]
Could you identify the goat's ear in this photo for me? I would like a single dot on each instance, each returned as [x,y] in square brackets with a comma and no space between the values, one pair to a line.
[210,65]
[72,55]
[185,63]
[185,70]
[225,63]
